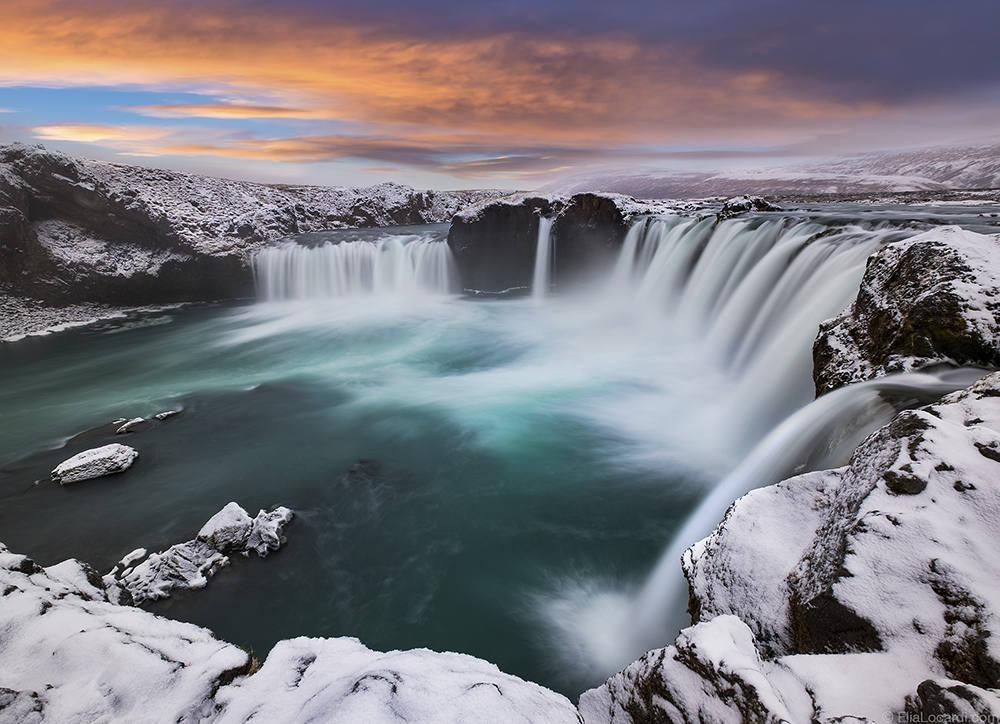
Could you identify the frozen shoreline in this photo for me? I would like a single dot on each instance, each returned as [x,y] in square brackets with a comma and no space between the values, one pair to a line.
[22,317]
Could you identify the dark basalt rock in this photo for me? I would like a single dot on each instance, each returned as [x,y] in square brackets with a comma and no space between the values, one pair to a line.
[824,625]
[494,242]
[494,247]
[914,310]
[75,231]
[940,702]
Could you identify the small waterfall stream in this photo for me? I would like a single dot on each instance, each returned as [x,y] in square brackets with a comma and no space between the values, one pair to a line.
[543,260]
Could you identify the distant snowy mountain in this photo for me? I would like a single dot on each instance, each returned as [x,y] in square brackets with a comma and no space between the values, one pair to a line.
[935,169]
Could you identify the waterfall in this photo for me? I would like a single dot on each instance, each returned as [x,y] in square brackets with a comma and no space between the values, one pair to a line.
[598,632]
[543,260]
[749,294]
[394,264]
[823,433]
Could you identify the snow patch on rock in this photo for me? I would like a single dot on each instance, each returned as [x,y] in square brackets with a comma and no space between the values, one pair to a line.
[932,298]
[340,680]
[191,564]
[77,248]
[95,463]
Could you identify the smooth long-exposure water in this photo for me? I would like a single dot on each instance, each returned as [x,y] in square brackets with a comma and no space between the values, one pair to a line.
[469,475]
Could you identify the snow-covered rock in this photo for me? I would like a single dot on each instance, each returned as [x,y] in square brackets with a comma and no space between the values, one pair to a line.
[75,230]
[191,564]
[265,531]
[68,655]
[712,673]
[227,530]
[130,425]
[933,297]
[340,680]
[869,592]
[186,565]
[95,463]
[739,205]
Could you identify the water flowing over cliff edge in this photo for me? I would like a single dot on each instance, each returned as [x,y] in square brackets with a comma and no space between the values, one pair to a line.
[584,424]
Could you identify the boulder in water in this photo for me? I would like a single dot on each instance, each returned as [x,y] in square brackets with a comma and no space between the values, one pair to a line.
[266,531]
[228,530]
[95,463]
[189,565]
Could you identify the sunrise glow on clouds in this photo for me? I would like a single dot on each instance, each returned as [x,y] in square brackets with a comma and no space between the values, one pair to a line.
[448,95]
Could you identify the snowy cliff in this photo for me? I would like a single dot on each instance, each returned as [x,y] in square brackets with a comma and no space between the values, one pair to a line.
[87,231]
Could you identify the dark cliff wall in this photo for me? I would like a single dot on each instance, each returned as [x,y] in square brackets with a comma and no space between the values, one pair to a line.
[494,242]
[84,231]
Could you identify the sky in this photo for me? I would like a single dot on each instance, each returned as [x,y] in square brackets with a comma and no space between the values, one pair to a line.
[501,94]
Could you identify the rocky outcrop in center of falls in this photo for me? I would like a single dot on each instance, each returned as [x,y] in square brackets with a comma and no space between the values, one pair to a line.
[494,241]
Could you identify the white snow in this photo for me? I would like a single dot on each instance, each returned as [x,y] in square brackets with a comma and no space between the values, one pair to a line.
[70,656]
[341,681]
[95,463]
[191,564]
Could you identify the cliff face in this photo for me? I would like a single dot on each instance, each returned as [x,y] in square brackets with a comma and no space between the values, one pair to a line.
[931,298]
[494,241]
[75,230]
[861,592]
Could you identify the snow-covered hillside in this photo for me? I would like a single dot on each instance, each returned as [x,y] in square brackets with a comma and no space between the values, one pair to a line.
[929,170]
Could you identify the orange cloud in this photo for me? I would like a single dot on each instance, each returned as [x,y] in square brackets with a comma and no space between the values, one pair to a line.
[221,110]
[95,133]
[406,95]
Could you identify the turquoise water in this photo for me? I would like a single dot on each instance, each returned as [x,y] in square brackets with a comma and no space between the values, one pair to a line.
[521,448]
[518,465]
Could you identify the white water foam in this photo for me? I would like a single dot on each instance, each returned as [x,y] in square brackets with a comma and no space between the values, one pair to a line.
[748,295]
[407,265]
[543,260]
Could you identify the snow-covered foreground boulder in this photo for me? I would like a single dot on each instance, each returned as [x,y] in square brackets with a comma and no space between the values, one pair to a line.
[95,463]
[931,298]
[865,592]
[68,655]
[341,681]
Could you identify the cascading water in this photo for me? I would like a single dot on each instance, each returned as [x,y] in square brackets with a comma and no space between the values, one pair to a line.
[750,295]
[543,260]
[394,264]
[533,457]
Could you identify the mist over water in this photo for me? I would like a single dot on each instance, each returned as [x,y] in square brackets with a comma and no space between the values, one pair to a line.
[526,462]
